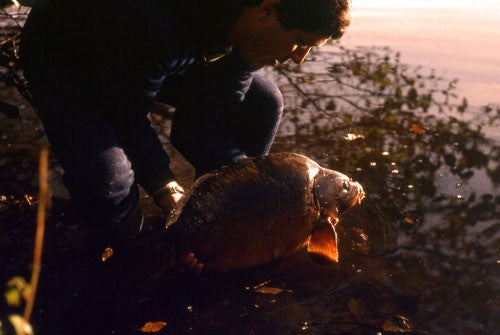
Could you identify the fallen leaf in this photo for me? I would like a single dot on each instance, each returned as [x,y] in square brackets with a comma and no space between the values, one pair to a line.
[261,284]
[417,129]
[409,220]
[153,327]
[106,254]
[269,290]
[352,137]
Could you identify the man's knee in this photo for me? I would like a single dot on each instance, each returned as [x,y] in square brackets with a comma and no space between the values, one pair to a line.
[103,187]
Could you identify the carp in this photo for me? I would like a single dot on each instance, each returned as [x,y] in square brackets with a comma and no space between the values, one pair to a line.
[262,209]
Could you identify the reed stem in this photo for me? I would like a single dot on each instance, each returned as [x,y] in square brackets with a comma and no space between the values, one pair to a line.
[40,230]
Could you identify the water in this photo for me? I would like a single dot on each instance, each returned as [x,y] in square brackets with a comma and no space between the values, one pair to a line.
[460,39]
[420,256]
[431,219]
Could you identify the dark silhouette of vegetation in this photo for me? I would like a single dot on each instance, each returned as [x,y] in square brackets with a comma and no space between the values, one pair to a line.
[432,214]
[11,19]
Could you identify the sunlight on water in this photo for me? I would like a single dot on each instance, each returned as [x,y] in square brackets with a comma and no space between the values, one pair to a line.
[490,4]
[460,39]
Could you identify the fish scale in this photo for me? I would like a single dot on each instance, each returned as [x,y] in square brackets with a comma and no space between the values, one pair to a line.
[240,191]
[254,211]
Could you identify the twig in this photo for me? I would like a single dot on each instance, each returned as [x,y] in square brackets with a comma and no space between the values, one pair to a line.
[40,230]
[298,88]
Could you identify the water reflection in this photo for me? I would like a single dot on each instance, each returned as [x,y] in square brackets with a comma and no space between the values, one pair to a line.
[433,246]
[460,38]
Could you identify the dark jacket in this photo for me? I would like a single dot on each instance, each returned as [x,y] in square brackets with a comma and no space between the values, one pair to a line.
[114,56]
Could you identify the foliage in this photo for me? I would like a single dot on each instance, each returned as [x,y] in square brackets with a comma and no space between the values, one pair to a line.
[429,170]
[18,292]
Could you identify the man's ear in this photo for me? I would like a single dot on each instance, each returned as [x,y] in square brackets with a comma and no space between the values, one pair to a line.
[266,8]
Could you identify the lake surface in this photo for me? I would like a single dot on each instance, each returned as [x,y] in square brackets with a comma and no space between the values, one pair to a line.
[430,226]
[460,39]
[352,110]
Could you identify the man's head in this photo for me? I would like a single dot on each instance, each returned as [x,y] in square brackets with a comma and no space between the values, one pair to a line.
[270,31]
[322,17]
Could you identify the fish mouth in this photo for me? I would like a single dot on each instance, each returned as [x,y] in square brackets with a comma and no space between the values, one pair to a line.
[355,197]
[360,193]
[357,193]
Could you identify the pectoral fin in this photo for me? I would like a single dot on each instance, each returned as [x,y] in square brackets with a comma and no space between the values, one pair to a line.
[322,245]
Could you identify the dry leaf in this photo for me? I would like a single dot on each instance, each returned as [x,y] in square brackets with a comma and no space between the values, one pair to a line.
[269,290]
[417,129]
[153,327]
[261,284]
[409,220]
[106,254]
[352,137]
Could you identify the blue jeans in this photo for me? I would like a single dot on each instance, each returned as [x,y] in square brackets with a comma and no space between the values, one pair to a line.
[210,137]
[99,172]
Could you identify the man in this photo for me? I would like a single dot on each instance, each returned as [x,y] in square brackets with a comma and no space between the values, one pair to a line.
[95,67]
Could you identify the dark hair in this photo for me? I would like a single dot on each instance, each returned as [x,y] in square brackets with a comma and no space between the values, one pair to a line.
[322,17]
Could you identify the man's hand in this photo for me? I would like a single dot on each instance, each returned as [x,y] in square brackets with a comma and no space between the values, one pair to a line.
[168,196]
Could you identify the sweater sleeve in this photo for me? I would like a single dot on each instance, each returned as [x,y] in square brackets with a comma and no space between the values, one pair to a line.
[149,160]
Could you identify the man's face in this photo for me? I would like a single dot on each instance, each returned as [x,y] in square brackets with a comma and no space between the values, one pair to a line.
[265,42]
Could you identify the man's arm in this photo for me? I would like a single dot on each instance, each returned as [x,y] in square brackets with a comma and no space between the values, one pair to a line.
[149,160]
[207,99]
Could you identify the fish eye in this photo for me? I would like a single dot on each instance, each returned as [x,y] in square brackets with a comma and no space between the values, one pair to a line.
[346,186]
